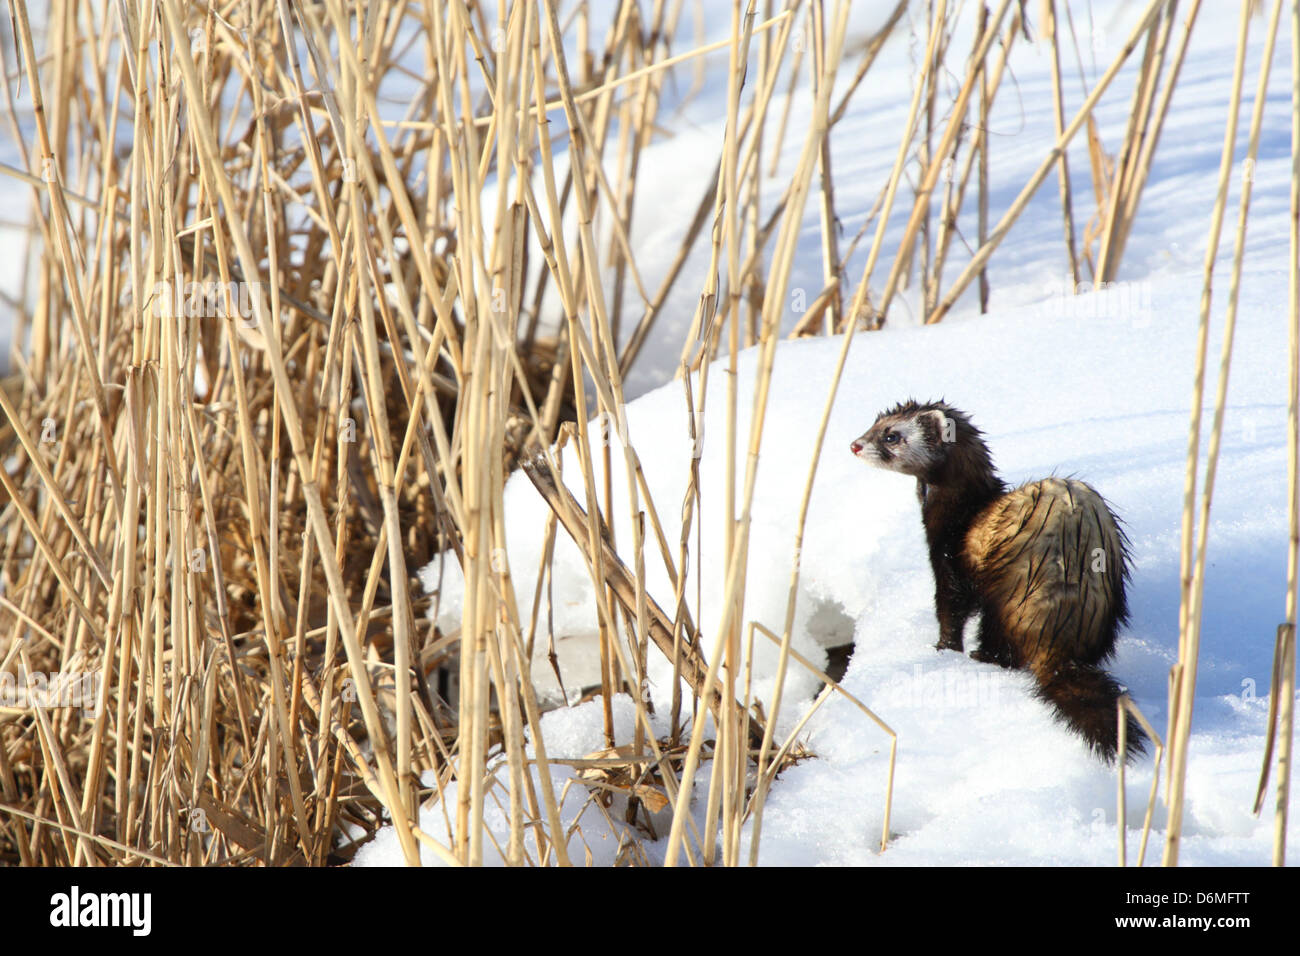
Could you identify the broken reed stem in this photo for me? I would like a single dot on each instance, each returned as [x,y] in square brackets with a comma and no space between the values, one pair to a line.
[766,777]
[1286,693]
[1125,705]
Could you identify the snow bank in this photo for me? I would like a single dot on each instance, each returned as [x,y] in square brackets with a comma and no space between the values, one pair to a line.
[1104,398]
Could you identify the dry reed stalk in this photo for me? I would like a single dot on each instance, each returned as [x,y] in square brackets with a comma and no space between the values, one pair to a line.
[1148,72]
[1202,345]
[925,158]
[860,296]
[779,277]
[920,208]
[728,645]
[981,256]
[621,581]
[1287,684]
[826,207]
[1151,139]
[603,368]
[1281,701]
[982,211]
[895,176]
[1058,114]
[989,82]
[1189,642]
[59,216]
[704,336]
[859,299]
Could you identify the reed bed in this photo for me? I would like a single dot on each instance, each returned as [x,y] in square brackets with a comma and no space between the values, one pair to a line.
[284,346]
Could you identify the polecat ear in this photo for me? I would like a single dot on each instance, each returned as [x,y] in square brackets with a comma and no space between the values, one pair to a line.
[944,427]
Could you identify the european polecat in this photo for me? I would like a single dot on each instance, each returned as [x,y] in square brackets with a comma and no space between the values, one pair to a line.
[1044,564]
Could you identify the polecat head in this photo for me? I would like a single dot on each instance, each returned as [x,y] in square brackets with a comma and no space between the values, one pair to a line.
[917,440]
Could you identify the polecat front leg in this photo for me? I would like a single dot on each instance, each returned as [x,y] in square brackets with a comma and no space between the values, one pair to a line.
[953,603]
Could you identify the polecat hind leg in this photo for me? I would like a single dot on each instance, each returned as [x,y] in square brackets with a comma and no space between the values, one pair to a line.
[993,646]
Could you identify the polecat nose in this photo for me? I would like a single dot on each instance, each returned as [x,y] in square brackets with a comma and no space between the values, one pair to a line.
[856,447]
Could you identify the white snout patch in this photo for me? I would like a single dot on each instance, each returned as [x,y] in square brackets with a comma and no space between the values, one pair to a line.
[867,452]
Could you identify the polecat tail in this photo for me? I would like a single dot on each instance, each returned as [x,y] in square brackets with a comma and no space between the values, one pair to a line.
[1085,698]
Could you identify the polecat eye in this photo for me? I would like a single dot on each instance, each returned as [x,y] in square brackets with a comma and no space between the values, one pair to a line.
[891,438]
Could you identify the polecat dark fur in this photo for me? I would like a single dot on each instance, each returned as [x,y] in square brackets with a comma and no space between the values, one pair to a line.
[1045,564]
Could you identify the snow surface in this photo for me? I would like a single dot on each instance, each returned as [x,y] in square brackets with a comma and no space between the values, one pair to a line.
[1097,386]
